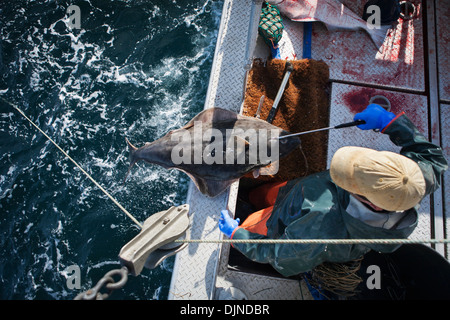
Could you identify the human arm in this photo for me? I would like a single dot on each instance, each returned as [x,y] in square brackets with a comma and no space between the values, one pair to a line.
[227,224]
[413,143]
[307,208]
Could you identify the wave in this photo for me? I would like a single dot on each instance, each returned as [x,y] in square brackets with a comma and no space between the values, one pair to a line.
[135,69]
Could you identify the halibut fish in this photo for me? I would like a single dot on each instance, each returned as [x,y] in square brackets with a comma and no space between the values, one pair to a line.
[216,148]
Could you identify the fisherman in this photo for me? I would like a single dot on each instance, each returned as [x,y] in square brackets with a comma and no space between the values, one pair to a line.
[366,194]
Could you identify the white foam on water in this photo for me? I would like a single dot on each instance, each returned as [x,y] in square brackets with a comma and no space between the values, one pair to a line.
[84,80]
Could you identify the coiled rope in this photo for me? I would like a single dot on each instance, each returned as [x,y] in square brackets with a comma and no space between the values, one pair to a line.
[261,241]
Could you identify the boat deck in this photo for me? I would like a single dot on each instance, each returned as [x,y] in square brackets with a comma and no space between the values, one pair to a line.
[412,72]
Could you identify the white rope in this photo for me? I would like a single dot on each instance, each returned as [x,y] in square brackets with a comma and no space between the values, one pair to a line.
[318,241]
[76,164]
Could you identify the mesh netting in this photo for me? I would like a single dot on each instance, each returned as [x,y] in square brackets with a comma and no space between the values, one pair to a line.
[270,24]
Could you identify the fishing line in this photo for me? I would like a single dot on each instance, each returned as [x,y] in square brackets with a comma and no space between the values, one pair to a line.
[318,241]
[76,164]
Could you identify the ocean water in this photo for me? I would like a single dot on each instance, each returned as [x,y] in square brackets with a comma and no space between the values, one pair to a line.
[134,69]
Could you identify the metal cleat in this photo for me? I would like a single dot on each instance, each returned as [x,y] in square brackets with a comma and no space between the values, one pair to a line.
[155,241]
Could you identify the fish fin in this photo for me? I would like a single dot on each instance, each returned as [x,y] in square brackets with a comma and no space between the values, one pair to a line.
[133,158]
[378,35]
[213,188]
[212,115]
[207,187]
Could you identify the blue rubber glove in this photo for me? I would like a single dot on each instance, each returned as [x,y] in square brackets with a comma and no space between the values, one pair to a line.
[375,117]
[227,224]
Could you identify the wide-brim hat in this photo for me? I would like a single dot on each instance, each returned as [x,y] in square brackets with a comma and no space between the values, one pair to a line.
[387,179]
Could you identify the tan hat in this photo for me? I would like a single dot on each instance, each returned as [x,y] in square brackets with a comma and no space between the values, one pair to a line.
[387,179]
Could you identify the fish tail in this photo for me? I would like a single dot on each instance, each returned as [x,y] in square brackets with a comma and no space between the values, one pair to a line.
[133,157]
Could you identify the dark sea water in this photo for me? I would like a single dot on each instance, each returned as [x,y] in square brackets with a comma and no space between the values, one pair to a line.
[134,69]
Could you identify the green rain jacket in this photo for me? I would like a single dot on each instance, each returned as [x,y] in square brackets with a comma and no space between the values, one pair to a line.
[314,207]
